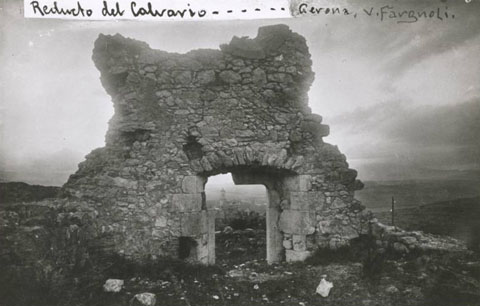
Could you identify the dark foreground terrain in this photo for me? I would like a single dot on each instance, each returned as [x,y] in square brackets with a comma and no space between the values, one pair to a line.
[360,275]
[12,192]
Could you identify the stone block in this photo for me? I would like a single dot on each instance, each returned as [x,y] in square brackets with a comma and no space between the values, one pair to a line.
[244,133]
[158,233]
[325,227]
[186,202]
[338,228]
[211,237]
[287,244]
[182,77]
[338,203]
[304,182]
[299,242]
[292,256]
[160,221]
[202,251]
[214,160]
[291,183]
[400,247]
[194,224]
[209,131]
[297,222]
[113,285]
[144,299]
[299,201]
[206,77]
[299,183]
[306,200]
[192,184]
[259,76]
[230,77]
[125,183]
[205,163]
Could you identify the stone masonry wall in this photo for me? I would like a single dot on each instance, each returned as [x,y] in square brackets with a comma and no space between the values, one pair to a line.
[180,118]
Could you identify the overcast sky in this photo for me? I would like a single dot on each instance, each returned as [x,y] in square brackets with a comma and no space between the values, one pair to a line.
[384,88]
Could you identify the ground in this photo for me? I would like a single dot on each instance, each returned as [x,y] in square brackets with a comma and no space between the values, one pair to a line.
[361,275]
[459,218]
[242,277]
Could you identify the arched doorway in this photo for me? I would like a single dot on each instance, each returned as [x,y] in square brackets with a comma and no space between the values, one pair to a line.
[276,183]
[240,219]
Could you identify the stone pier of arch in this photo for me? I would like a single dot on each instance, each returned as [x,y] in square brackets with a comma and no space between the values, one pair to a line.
[180,118]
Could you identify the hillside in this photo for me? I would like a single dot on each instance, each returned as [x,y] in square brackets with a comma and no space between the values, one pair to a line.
[458,218]
[22,192]
[377,195]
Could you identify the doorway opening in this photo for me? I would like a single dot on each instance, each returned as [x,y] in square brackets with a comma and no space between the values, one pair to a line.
[240,219]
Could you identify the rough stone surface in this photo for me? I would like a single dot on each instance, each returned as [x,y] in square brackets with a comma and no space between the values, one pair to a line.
[177,122]
[144,299]
[324,287]
[297,222]
[113,285]
[299,243]
[292,256]
[180,118]
[403,242]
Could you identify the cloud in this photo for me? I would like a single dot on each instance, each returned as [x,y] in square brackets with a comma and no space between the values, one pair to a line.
[52,98]
[443,77]
[410,139]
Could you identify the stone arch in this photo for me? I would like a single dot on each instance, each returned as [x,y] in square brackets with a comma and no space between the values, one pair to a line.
[273,180]
[290,211]
[180,118]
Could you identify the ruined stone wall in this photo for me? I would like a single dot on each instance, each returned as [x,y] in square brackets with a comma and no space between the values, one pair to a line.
[180,118]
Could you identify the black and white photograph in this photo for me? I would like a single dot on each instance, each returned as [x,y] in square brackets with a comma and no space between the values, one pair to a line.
[277,152]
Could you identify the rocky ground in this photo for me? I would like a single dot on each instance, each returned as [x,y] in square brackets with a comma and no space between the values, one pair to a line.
[368,273]
[360,276]
[459,218]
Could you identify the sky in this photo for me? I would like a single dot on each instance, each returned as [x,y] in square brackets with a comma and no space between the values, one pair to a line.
[401,99]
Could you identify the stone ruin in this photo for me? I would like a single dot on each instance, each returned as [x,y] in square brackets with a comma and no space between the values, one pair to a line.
[181,118]
[141,197]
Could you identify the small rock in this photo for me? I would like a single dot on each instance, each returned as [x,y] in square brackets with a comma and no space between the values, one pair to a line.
[215,297]
[235,273]
[113,285]
[324,287]
[256,287]
[230,77]
[400,247]
[392,289]
[145,299]
[367,302]
[287,244]
[228,230]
